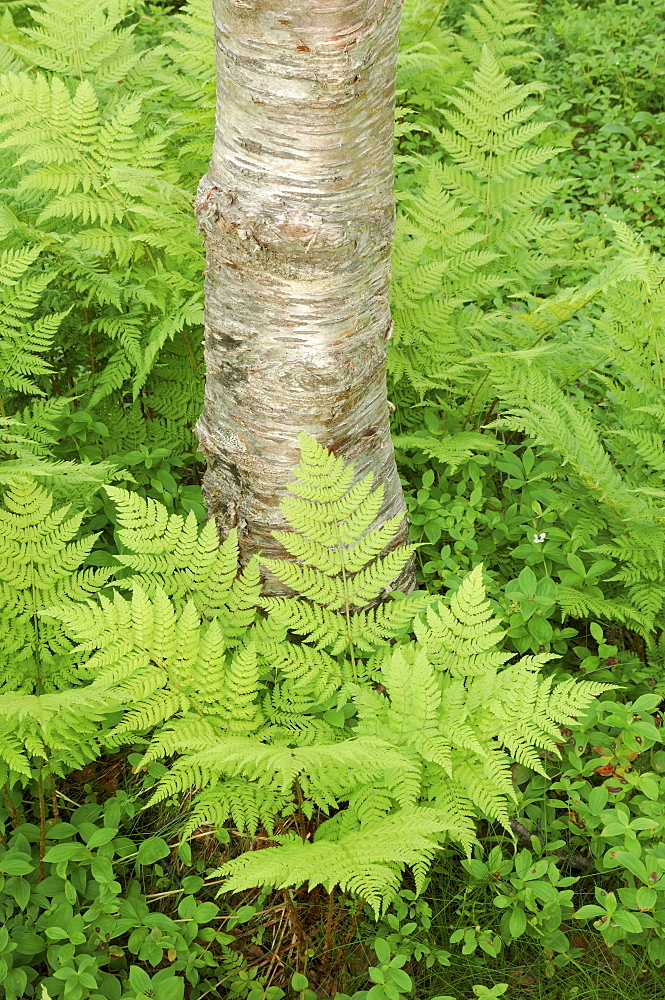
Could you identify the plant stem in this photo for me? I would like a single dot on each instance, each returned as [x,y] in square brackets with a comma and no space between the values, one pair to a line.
[298,930]
[16,819]
[42,819]
[54,799]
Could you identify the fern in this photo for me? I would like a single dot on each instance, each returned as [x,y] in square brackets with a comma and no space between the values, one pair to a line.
[258,721]
[169,550]
[29,433]
[332,537]
[40,562]
[428,63]
[43,714]
[617,470]
[499,25]
[23,343]
[472,230]
[78,39]
[61,728]
[462,722]
[368,863]
[191,48]
[94,181]
[385,729]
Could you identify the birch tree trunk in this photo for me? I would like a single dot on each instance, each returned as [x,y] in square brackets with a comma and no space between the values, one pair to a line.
[297,213]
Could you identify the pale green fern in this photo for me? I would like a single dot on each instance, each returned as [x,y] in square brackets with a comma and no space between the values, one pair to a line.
[43,714]
[447,730]
[60,728]
[78,38]
[24,340]
[472,229]
[420,733]
[91,174]
[500,24]
[40,564]
[368,863]
[332,535]
[617,467]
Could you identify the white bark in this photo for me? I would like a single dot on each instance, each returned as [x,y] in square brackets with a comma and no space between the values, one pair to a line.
[297,212]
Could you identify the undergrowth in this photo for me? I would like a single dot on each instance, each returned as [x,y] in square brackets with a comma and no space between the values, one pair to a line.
[458,792]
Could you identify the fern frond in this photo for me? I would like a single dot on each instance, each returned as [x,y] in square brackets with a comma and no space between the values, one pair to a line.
[245,803]
[61,727]
[40,565]
[499,24]
[324,773]
[78,38]
[367,863]
[333,537]
[363,630]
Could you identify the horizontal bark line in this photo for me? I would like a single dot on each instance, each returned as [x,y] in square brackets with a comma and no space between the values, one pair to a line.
[234,224]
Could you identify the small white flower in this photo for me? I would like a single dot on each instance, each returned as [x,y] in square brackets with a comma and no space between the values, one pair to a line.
[538,539]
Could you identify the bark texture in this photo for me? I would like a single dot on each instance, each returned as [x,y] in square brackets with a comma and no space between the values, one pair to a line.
[297,214]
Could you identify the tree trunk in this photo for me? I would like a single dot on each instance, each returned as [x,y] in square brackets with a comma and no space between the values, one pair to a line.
[297,213]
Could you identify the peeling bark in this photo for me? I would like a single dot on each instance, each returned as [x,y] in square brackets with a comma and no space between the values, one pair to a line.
[297,214]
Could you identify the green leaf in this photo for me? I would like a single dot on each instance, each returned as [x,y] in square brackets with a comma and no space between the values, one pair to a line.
[588,911]
[382,949]
[517,922]
[139,980]
[151,850]
[16,863]
[192,883]
[528,582]
[401,979]
[656,951]
[206,912]
[100,837]
[172,988]
[299,982]
[540,629]
[649,786]
[19,889]
[598,799]
[646,897]
[475,868]
[614,830]
[627,921]
[633,864]
[67,852]
[56,933]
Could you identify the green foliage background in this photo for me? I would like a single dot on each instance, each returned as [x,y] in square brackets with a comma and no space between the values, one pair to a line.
[464,786]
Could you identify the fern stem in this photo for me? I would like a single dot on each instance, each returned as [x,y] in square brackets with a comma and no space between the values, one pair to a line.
[42,819]
[296,925]
[333,918]
[436,18]
[16,819]
[343,946]
[490,411]
[54,798]
[91,350]
[473,400]
[326,956]
[347,613]
[190,352]
[91,340]
[302,826]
